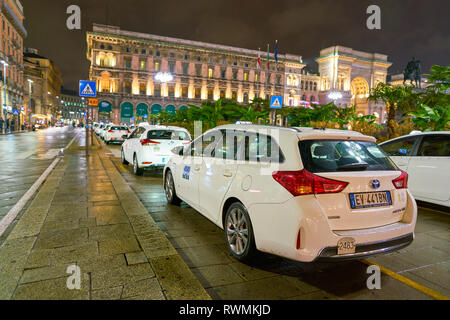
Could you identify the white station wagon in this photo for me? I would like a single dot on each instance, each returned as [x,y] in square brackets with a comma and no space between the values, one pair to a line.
[150,146]
[301,193]
[426,158]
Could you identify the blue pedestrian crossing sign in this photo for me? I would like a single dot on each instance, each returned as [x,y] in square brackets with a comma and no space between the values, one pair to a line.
[276,102]
[88,89]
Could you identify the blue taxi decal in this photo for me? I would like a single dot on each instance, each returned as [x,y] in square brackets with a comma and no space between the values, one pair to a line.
[186,172]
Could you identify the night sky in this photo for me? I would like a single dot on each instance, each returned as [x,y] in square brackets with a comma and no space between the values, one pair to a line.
[408,27]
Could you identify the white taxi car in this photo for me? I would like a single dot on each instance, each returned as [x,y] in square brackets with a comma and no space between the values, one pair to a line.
[115,134]
[150,146]
[99,128]
[426,158]
[301,193]
[105,129]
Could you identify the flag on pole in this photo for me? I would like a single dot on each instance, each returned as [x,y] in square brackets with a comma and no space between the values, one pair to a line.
[268,56]
[258,63]
[276,51]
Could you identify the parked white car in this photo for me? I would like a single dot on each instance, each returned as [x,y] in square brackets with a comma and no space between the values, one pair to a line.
[116,134]
[104,130]
[99,128]
[301,193]
[150,146]
[426,158]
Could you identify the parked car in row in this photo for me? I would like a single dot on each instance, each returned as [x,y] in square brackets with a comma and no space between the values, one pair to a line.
[115,134]
[301,193]
[426,158]
[150,146]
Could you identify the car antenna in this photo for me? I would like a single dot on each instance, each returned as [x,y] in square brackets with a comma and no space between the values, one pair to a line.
[326,124]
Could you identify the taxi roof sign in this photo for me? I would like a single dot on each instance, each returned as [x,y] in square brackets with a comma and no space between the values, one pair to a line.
[276,102]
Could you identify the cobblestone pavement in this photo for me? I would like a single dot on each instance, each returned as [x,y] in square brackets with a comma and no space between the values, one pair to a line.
[85,215]
[202,246]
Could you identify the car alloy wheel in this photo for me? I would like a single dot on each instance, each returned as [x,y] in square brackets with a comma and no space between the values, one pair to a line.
[124,161]
[169,187]
[237,231]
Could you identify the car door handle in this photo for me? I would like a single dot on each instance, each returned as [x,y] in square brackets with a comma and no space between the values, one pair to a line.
[227,173]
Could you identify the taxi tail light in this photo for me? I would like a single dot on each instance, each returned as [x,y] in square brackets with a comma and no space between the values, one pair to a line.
[302,182]
[148,141]
[402,181]
[110,130]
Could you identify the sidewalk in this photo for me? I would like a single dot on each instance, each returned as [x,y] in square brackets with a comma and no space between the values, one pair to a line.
[85,214]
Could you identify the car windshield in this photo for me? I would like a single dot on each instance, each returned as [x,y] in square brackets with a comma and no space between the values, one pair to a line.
[167,135]
[338,155]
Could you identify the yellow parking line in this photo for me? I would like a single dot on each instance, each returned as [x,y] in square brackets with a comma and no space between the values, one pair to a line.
[415,285]
[122,167]
[430,209]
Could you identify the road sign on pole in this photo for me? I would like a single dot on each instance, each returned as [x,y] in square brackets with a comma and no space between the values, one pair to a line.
[276,102]
[88,89]
[93,102]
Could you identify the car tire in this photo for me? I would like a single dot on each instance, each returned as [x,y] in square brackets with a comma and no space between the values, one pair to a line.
[169,188]
[122,155]
[239,234]
[137,171]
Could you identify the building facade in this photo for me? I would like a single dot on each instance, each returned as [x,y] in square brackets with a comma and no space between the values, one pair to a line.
[348,75]
[12,33]
[126,65]
[72,108]
[43,78]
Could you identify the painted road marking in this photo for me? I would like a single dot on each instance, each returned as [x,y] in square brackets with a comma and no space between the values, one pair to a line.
[14,211]
[122,167]
[415,285]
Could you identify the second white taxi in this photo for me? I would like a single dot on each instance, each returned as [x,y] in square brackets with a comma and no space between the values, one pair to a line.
[301,193]
[150,146]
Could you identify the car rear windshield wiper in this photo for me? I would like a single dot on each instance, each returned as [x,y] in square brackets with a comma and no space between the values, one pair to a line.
[354,166]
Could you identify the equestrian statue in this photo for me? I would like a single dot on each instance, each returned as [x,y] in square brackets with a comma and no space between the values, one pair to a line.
[412,73]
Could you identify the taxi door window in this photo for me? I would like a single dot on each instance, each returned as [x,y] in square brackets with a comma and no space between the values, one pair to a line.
[262,148]
[400,148]
[434,146]
[133,134]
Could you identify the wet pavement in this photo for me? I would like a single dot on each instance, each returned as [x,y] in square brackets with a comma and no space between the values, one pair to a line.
[24,157]
[202,246]
[86,218]
[130,244]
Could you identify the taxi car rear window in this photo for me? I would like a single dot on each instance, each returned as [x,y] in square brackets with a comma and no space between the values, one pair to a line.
[339,155]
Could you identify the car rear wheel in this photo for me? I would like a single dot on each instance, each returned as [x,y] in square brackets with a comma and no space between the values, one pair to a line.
[169,188]
[137,171]
[124,161]
[239,233]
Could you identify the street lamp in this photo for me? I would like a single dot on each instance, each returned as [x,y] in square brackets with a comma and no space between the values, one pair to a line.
[163,77]
[29,102]
[5,64]
[335,95]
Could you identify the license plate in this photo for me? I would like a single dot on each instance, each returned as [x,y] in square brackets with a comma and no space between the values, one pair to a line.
[370,199]
[346,246]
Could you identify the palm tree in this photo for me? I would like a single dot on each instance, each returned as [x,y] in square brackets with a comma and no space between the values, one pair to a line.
[396,99]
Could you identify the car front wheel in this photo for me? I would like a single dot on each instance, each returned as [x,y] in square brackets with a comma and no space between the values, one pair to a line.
[137,171]
[239,233]
[124,161]
[169,188]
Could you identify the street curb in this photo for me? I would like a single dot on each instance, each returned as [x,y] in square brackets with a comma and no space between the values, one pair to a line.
[175,277]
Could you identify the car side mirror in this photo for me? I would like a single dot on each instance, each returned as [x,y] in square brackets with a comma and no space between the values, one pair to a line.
[178,150]
[125,136]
